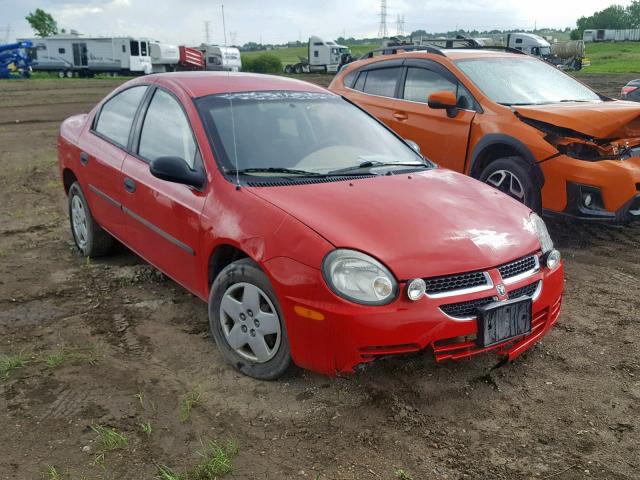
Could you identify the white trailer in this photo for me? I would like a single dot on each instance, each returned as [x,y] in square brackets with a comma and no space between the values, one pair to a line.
[323,56]
[164,57]
[71,55]
[610,35]
[217,58]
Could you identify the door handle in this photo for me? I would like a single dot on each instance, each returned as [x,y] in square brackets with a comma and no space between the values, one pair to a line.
[84,158]
[400,116]
[129,185]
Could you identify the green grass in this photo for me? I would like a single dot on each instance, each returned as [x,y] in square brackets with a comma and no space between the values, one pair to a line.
[290,55]
[215,461]
[63,355]
[109,438]
[52,473]
[54,76]
[191,400]
[145,427]
[165,473]
[10,363]
[619,57]
[401,474]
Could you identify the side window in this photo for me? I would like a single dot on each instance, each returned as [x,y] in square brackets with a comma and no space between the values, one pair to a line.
[349,79]
[116,116]
[360,82]
[135,48]
[518,40]
[315,53]
[61,51]
[166,131]
[124,48]
[382,82]
[420,83]
[143,49]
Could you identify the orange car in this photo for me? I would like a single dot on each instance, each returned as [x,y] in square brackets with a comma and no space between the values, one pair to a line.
[510,120]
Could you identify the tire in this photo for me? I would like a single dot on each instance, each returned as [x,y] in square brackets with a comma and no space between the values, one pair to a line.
[241,297]
[89,237]
[288,69]
[69,73]
[297,69]
[61,74]
[515,177]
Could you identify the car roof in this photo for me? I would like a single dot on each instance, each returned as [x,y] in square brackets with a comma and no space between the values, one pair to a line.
[200,84]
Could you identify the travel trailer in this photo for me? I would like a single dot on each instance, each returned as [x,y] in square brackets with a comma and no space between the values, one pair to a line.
[221,58]
[170,58]
[75,55]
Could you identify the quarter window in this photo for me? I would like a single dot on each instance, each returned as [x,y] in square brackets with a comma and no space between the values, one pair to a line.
[166,131]
[382,82]
[116,115]
[143,48]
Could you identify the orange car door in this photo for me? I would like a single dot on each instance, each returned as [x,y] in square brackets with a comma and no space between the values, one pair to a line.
[443,138]
[376,87]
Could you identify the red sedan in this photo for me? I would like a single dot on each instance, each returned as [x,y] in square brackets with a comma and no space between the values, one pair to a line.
[317,236]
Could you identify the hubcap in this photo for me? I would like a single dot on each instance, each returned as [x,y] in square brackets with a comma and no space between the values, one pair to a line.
[508,183]
[250,322]
[79,221]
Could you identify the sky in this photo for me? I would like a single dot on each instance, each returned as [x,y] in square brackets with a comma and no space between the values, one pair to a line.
[279,21]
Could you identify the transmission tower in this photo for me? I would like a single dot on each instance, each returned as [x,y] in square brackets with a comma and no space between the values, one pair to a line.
[382,29]
[400,26]
[232,36]
[207,24]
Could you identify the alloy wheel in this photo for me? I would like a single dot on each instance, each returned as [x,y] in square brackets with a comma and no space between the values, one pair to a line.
[508,183]
[79,221]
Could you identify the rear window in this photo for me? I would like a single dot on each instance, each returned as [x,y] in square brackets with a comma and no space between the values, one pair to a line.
[382,82]
[116,116]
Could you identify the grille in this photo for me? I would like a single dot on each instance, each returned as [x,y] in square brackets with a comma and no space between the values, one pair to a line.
[452,283]
[527,290]
[466,309]
[517,267]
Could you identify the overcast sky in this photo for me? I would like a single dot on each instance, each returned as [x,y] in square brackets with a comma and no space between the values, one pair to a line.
[278,21]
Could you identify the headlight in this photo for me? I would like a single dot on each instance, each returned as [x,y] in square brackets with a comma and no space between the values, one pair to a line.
[540,229]
[358,277]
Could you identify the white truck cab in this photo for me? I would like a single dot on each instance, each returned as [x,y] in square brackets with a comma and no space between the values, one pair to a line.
[529,43]
[324,56]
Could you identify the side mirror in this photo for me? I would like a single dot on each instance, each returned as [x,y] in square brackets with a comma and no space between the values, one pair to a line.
[413,145]
[175,169]
[444,100]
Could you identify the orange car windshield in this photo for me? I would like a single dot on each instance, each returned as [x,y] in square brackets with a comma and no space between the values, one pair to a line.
[523,80]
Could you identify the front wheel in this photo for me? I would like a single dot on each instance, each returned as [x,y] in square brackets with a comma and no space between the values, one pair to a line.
[247,323]
[89,237]
[513,176]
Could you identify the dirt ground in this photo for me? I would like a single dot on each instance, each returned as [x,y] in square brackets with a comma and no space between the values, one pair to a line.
[111,342]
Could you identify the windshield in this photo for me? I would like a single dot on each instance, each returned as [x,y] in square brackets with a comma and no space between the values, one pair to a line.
[545,50]
[523,81]
[298,131]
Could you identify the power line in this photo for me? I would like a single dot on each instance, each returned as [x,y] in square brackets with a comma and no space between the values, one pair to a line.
[382,29]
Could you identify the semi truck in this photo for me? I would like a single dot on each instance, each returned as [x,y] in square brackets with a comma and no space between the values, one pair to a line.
[564,55]
[323,56]
[75,55]
[220,58]
[171,58]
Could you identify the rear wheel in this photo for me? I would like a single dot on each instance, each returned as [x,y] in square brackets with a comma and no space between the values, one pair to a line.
[69,73]
[247,323]
[298,68]
[288,69]
[89,237]
[61,74]
[513,176]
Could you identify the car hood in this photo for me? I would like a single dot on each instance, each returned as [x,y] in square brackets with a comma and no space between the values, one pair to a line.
[612,119]
[423,224]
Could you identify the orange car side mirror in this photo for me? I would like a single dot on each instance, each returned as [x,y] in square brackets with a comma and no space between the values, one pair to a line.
[445,100]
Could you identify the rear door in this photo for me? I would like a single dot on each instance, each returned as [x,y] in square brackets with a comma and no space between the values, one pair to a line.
[163,218]
[441,138]
[375,89]
[103,150]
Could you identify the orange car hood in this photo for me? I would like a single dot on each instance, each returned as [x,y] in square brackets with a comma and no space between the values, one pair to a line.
[598,120]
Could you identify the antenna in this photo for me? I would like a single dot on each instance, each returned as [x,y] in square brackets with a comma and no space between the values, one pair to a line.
[207,24]
[224,27]
[382,29]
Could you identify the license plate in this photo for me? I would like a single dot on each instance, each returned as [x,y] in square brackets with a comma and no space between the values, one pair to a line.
[502,321]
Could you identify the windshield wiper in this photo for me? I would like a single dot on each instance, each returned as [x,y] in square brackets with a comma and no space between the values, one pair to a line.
[287,171]
[376,163]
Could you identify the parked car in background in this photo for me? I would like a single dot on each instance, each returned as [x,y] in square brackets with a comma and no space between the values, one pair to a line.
[316,235]
[631,91]
[510,120]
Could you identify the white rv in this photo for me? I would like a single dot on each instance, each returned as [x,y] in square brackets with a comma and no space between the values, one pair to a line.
[85,56]
[164,57]
[529,43]
[323,57]
[221,58]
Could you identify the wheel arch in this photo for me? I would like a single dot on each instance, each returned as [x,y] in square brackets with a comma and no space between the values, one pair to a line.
[221,256]
[498,145]
[68,178]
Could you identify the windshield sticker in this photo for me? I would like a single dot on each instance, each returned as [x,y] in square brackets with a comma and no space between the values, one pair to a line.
[276,95]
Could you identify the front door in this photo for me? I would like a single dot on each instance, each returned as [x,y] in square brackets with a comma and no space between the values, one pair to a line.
[163,218]
[441,137]
[80,57]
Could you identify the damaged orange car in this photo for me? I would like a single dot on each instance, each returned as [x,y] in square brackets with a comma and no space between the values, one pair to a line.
[509,120]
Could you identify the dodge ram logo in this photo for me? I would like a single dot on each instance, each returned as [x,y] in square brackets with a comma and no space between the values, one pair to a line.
[501,290]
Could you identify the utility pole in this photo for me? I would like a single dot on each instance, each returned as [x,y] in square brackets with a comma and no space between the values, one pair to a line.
[224,26]
[382,28]
[207,24]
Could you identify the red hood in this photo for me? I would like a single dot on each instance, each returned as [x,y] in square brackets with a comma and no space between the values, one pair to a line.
[426,224]
[617,119]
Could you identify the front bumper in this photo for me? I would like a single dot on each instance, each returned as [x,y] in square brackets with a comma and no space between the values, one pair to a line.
[616,181]
[345,335]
